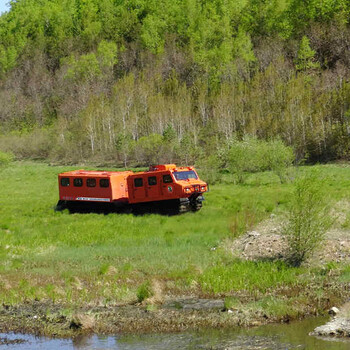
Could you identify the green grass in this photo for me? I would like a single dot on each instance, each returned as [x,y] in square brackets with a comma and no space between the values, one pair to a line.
[249,275]
[95,258]
[269,305]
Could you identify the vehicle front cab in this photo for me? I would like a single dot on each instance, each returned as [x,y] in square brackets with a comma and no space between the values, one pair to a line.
[191,185]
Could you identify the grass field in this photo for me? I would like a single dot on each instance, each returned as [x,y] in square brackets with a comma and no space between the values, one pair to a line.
[96,259]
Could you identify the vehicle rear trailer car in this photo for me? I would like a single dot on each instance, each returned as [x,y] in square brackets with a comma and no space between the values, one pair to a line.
[162,188]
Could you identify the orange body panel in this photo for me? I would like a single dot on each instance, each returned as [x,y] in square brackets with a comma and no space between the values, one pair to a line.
[115,191]
[161,182]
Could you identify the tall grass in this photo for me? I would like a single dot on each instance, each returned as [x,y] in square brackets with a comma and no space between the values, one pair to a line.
[248,275]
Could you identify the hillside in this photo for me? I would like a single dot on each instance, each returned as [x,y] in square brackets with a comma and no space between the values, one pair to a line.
[143,81]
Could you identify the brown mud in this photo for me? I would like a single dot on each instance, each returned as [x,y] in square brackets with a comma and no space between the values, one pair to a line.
[176,315]
[47,319]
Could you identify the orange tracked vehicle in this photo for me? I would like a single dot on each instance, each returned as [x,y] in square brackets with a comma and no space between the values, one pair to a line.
[164,186]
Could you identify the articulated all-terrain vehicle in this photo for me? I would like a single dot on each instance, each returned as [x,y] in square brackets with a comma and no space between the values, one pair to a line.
[166,187]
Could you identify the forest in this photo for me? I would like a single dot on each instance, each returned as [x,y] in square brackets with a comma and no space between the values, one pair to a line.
[134,82]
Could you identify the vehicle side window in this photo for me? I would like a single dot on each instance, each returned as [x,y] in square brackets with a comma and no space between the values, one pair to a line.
[65,181]
[104,182]
[91,182]
[138,182]
[167,179]
[78,182]
[152,180]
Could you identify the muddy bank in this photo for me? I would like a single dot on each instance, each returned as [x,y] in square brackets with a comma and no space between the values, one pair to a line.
[47,319]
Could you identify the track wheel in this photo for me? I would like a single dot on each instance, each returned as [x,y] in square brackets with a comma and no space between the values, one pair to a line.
[196,205]
[61,205]
[183,208]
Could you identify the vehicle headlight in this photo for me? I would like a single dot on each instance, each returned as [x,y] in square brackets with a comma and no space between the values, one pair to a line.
[187,190]
[203,188]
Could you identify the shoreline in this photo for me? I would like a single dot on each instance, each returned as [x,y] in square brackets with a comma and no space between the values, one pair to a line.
[54,320]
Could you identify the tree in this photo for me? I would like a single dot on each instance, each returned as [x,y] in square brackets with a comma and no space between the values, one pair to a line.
[306,56]
[149,149]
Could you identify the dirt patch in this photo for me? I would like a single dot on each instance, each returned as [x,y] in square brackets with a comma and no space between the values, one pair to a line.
[267,242]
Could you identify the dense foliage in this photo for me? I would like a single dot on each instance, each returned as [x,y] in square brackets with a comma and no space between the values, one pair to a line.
[145,81]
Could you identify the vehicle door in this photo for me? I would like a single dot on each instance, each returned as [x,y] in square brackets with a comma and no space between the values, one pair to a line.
[138,186]
[167,185]
[152,187]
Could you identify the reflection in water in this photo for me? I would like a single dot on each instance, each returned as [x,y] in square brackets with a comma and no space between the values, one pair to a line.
[273,337]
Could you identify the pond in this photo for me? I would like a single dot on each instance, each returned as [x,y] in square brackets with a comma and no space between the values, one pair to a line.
[273,337]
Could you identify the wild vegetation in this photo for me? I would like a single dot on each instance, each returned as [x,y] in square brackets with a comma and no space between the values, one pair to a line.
[308,219]
[140,81]
[63,264]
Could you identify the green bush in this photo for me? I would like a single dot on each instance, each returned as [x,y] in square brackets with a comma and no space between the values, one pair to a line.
[36,144]
[253,155]
[279,157]
[241,158]
[5,159]
[144,291]
[307,219]
[210,168]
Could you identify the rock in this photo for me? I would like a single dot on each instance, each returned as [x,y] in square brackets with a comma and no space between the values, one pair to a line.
[253,234]
[229,311]
[195,304]
[333,311]
[339,327]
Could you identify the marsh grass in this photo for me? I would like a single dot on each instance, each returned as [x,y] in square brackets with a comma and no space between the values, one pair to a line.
[100,259]
[248,275]
[270,306]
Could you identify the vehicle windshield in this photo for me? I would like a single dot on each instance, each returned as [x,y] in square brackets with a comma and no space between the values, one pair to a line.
[184,175]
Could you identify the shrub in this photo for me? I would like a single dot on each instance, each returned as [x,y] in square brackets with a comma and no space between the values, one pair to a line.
[307,219]
[241,158]
[252,155]
[144,291]
[5,159]
[210,167]
[28,145]
[279,158]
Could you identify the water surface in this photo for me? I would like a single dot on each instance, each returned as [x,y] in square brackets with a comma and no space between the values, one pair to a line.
[271,337]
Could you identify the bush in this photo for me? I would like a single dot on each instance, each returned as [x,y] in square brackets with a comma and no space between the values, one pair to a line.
[241,158]
[252,155]
[279,157]
[210,167]
[307,219]
[30,145]
[144,291]
[5,159]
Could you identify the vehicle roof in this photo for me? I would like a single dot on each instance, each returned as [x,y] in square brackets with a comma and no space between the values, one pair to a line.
[162,168]
[95,173]
[153,169]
